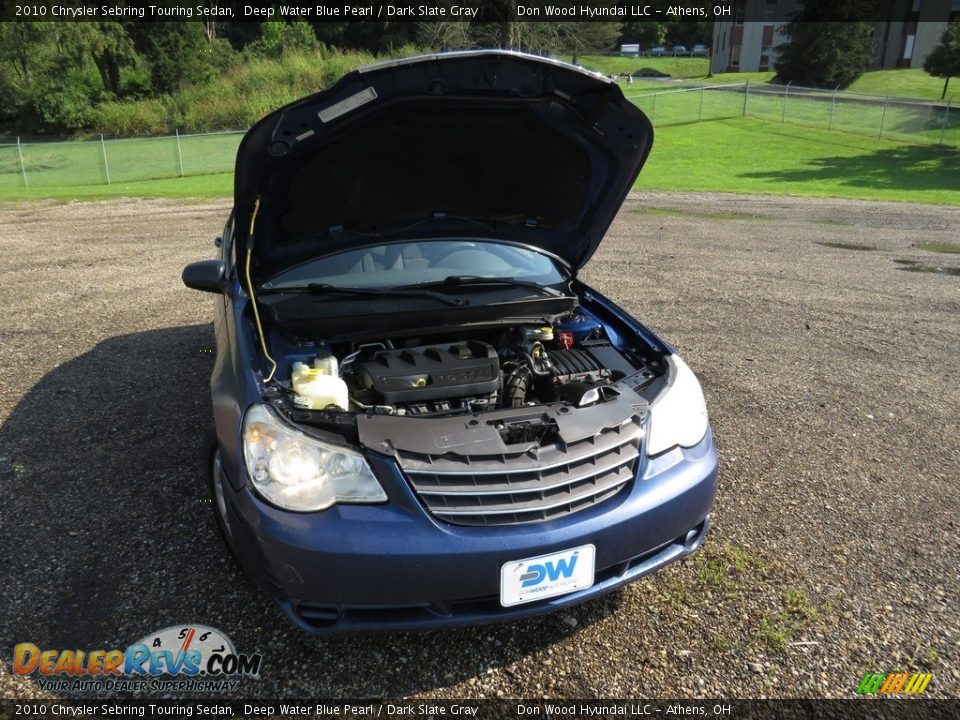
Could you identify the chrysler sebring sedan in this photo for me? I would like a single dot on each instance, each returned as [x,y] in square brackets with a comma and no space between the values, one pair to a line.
[423,417]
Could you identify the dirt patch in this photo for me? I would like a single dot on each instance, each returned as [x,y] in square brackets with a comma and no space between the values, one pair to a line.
[832,383]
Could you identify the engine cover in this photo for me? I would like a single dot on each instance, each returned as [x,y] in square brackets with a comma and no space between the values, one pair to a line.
[431,372]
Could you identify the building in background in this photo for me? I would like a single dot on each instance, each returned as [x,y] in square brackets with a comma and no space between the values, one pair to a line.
[907,42]
[748,42]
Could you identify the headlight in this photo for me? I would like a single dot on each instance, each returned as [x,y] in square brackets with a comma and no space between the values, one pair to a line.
[297,472]
[678,415]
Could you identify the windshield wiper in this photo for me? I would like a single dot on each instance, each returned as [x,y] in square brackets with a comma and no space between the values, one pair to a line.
[327,289]
[458,281]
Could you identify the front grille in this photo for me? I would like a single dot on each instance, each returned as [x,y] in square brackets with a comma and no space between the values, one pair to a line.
[544,484]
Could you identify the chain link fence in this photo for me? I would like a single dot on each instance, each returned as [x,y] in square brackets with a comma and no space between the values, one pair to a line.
[64,163]
[935,123]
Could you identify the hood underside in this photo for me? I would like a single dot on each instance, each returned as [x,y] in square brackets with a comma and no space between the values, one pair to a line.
[483,144]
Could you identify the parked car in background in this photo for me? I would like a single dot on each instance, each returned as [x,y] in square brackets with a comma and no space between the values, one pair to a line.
[680,50]
[658,51]
[700,51]
[423,416]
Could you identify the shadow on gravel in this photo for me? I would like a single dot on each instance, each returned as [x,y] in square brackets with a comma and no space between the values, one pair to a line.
[106,534]
[898,168]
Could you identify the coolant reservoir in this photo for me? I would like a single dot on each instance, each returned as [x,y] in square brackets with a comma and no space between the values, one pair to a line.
[327,365]
[318,387]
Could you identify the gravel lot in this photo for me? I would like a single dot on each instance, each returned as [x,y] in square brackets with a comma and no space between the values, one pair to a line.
[832,379]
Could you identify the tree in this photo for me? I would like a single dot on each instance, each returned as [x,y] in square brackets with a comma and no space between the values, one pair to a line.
[545,37]
[588,37]
[278,37]
[174,50]
[687,32]
[53,74]
[828,46]
[110,48]
[649,34]
[444,35]
[944,60]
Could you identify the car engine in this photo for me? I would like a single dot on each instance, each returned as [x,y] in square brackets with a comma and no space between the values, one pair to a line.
[428,380]
[512,368]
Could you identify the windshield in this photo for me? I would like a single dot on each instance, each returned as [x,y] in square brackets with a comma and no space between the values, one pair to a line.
[421,261]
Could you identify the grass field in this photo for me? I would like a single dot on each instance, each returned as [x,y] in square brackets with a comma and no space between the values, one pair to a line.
[60,164]
[678,67]
[757,156]
[907,83]
[731,155]
[896,83]
[194,186]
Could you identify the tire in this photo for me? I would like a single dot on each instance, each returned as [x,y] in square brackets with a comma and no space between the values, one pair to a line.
[218,500]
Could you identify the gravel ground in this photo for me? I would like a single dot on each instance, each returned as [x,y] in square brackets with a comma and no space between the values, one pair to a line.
[832,379]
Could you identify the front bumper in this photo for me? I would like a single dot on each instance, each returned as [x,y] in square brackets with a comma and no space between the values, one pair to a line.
[395,567]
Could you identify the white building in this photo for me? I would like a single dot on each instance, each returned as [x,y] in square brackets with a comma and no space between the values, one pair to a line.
[748,42]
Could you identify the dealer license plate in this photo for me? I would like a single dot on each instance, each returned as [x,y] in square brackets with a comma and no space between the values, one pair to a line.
[546,576]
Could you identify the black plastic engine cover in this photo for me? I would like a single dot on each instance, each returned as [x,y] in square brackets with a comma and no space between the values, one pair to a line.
[430,372]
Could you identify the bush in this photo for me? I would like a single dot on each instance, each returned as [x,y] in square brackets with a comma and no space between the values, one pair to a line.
[150,116]
[67,101]
[233,101]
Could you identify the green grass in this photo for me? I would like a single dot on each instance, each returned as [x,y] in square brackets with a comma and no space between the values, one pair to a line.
[904,83]
[53,168]
[645,86]
[674,107]
[755,78]
[938,247]
[779,629]
[754,156]
[734,155]
[911,122]
[678,67]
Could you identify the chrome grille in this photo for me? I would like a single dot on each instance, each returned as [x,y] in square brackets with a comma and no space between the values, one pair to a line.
[526,487]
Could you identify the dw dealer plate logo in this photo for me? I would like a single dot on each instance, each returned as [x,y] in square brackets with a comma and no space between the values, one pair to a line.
[198,656]
[546,576]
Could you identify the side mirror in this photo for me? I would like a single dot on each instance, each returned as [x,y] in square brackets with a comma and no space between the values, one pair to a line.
[206,275]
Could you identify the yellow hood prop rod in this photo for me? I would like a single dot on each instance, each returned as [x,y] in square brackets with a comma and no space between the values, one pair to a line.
[253,299]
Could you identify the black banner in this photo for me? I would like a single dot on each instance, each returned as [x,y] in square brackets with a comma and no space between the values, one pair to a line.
[434,11]
[854,709]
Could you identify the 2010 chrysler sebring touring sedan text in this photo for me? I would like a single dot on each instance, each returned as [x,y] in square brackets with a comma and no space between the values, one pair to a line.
[423,418]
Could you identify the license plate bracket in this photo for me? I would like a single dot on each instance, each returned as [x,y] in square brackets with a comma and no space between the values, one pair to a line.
[546,576]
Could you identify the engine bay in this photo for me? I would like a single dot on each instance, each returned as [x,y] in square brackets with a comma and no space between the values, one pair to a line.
[571,360]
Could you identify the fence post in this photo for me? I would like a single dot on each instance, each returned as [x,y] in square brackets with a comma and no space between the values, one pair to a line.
[700,114]
[179,152]
[833,106]
[106,167]
[23,168]
[786,91]
[653,111]
[883,117]
[943,125]
[746,96]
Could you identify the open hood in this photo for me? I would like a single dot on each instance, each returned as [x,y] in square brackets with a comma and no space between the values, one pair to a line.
[485,144]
